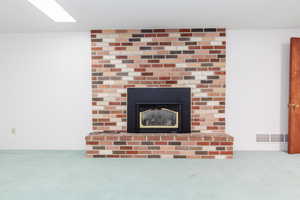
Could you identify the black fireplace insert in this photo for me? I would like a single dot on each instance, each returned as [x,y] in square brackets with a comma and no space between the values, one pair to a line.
[159,110]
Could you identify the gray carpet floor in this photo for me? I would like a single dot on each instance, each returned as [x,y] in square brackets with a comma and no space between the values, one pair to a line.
[55,175]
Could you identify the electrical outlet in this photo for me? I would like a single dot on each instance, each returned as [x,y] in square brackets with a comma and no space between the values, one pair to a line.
[13,131]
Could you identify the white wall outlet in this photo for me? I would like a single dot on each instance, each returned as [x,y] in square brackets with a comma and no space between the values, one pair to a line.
[13,131]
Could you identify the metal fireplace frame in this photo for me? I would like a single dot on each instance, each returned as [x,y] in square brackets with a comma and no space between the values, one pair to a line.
[152,96]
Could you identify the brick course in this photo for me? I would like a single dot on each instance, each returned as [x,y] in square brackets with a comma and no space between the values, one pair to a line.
[125,145]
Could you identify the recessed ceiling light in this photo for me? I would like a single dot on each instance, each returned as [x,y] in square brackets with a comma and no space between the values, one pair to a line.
[53,10]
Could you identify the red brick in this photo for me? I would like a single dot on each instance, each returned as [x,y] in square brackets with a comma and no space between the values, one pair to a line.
[226,143]
[144,152]
[219,139]
[203,143]
[208,157]
[96,31]
[98,138]
[126,138]
[139,156]
[215,143]
[92,143]
[112,137]
[167,137]
[92,152]
[88,137]
[226,152]
[184,30]
[142,138]
[159,30]
[213,153]
[162,35]
[182,138]
[120,48]
[133,143]
[186,34]
[125,147]
[161,143]
[96,48]
[140,148]
[150,35]
[126,156]
[196,138]
[113,156]
[153,138]
[114,44]
[164,78]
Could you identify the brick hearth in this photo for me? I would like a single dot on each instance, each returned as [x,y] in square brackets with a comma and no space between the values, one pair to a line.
[162,145]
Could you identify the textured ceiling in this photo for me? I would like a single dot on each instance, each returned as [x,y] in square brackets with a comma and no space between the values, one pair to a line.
[20,16]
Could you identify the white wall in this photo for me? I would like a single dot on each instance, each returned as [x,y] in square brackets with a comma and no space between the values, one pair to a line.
[44,90]
[257,85]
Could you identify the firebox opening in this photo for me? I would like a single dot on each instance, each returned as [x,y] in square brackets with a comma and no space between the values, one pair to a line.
[159,110]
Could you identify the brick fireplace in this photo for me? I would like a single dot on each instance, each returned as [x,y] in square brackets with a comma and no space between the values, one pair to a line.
[155,61]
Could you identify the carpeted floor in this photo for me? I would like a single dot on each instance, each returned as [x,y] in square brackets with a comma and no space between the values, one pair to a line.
[55,175]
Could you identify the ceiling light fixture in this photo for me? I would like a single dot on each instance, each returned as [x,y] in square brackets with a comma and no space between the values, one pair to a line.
[53,10]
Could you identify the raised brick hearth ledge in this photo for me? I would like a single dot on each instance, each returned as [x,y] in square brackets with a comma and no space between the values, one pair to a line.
[126,145]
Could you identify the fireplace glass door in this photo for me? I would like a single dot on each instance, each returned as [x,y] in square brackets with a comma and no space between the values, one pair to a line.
[158,116]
